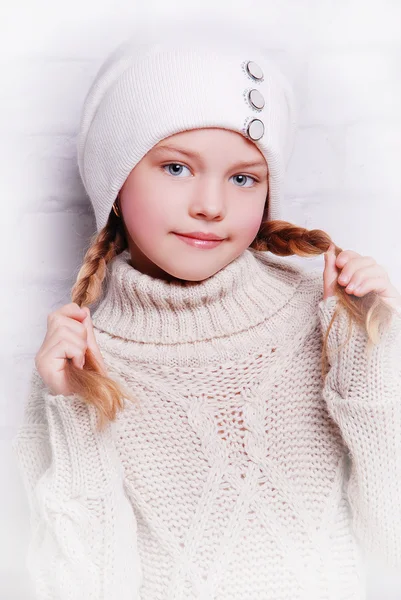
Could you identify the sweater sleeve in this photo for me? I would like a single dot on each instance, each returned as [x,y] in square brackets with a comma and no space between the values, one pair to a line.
[363,396]
[83,540]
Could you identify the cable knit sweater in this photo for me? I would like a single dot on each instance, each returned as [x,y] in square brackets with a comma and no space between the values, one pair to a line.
[240,474]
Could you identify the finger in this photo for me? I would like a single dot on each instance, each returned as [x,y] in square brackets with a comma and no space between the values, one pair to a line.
[62,350]
[354,277]
[348,254]
[368,281]
[353,266]
[72,310]
[62,321]
[346,258]
[330,274]
[376,284]
[64,333]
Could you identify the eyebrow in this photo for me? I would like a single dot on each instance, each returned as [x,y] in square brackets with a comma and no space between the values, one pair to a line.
[196,155]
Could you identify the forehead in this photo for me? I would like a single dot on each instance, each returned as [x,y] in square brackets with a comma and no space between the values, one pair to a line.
[201,143]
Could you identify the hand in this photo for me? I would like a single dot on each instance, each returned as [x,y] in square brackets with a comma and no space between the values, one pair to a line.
[69,334]
[361,275]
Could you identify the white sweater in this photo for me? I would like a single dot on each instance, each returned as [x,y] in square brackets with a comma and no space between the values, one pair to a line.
[241,475]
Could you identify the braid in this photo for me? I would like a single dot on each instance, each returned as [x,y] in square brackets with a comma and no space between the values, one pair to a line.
[285,239]
[91,383]
[106,244]
[279,237]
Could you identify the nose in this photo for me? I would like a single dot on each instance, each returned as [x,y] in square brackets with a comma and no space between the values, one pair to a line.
[209,202]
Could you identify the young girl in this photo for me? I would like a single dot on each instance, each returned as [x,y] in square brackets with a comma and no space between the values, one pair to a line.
[183,441]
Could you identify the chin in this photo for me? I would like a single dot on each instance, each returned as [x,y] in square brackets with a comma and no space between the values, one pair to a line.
[194,275]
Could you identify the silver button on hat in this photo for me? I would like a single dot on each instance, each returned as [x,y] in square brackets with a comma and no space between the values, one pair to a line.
[254,70]
[256,129]
[256,99]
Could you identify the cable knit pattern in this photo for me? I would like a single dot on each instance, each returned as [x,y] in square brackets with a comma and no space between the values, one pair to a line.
[83,542]
[241,474]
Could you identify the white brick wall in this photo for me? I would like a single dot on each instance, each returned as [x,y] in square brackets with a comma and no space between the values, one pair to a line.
[344,58]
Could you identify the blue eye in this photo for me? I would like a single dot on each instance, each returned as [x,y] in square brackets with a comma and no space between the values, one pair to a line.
[244,177]
[175,165]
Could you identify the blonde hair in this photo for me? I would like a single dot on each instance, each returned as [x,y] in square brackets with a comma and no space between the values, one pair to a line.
[278,237]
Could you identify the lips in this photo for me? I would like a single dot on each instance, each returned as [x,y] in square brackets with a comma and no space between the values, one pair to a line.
[199,243]
[198,235]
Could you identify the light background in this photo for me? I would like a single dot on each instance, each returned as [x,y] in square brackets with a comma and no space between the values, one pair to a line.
[344,60]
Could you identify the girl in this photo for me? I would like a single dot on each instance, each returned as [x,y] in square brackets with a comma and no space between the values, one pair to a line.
[238,468]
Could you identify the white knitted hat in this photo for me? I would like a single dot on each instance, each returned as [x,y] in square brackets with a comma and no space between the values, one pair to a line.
[146,91]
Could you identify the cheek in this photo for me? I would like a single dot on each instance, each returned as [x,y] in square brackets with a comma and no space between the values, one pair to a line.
[144,216]
[145,205]
[247,223]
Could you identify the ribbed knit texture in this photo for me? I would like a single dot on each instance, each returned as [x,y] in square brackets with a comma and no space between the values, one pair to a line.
[241,474]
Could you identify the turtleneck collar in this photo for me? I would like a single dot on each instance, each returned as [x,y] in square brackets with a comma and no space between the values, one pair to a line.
[138,307]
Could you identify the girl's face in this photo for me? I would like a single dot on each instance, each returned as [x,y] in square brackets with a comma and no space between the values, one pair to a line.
[202,185]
